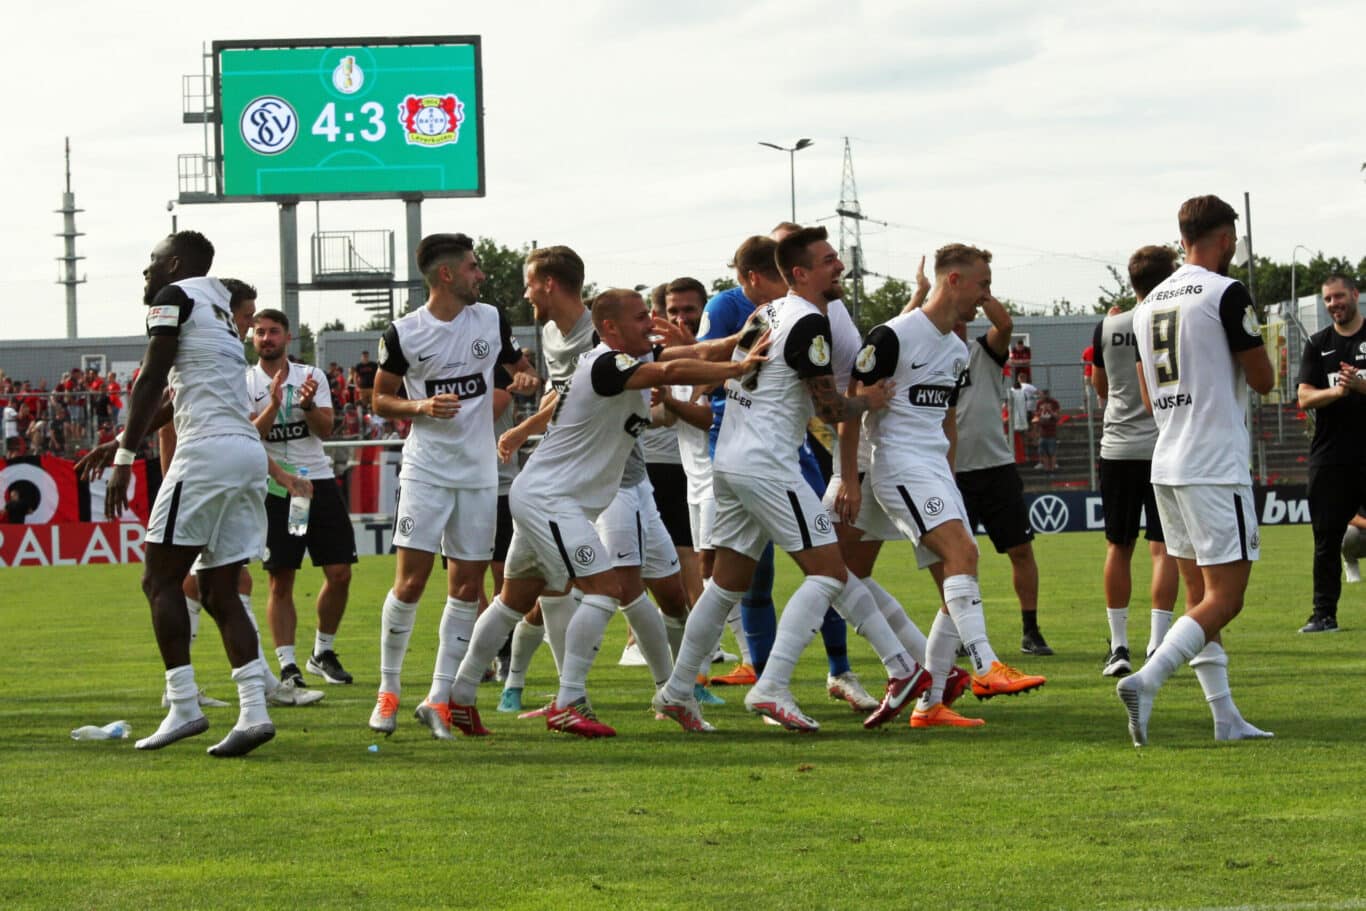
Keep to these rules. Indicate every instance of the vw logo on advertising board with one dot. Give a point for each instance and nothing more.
(1048, 514)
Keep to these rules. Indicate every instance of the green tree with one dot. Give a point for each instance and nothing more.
(377, 323)
(1121, 295)
(307, 344)
(890, 298)
(335, 325)
(504, 280)
(722, 284)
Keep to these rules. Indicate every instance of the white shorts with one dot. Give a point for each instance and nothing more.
(553, 540)
(752, 511)
(1209, 523)
(456, 522)
(872, 520)
(634, 533)
(914, 504)
(213, 497)
(702, 520)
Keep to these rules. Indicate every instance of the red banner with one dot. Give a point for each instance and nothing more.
(43, 490)
(71, 544)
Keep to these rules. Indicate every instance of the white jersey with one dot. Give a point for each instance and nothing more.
(290, 442)
(562, 352)
(1130, 431)
(694, 451)
(435, 356)
(507, 471)
(927, 366)
(659, 446)
(767, 409)
(982, 440)
(1188, 330)
(595, 426)
(844, 345)
(207, 376)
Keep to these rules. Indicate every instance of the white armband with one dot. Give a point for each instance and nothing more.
(125, 456)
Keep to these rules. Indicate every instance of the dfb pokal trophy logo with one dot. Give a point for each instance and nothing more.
(431, 120)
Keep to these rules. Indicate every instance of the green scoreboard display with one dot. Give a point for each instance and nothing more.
(349, 118)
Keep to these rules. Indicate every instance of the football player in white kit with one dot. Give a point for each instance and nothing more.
(1126, 469)
(848, 502)
(1199, 348)
(573, 476)
(760, 495)
(443, 355)
(912, 470)
(210, 503)
(293, 404)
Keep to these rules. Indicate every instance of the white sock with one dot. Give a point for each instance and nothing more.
(964, 601)
(700, 635)
(1182, 643)
(1118, 618)
(396, 628)
(183, 694)
(457, 622)
(737, 629)
(193, 607)
(557, 611)
(800, 622)
(1161, 622)
(673, 628)
(940, 650)
(653, 636)
(285, 655)
(525, 640)
(856, 605)
(581, 643)
(490, 632)
(251, 694)
(1211, 669)
(912, 639)
(272, 682)
(323, 642)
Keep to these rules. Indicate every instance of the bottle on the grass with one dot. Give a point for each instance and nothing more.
(298, 510)
(114, 730)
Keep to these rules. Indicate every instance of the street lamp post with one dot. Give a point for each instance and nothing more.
(1294, 302)
(791, 165)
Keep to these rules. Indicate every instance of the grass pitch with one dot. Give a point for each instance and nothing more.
(1048, 806)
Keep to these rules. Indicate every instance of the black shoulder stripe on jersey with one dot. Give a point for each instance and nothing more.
(510, 353)
(807, 343)
(1098, 346)
(392, 359)
(1233, 307)
(172, 296)
(1000, 359)
(879, 362)
(608, 377)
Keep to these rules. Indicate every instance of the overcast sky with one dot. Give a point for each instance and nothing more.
(1061, 136)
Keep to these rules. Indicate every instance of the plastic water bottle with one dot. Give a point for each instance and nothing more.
(114, 730)
(298, 510)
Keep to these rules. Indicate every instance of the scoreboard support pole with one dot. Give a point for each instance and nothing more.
(412, 210)
(289, 269)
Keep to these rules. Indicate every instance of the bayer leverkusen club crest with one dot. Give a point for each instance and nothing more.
(431, 120)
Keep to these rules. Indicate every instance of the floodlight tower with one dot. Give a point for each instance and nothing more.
(851, 230)
(69, 233)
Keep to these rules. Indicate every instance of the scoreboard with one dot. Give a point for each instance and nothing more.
(349, 118)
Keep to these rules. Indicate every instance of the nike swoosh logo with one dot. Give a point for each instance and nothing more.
(261, 396)
(915, 366)
(395, 632)
(623, 556)
(428, 357)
